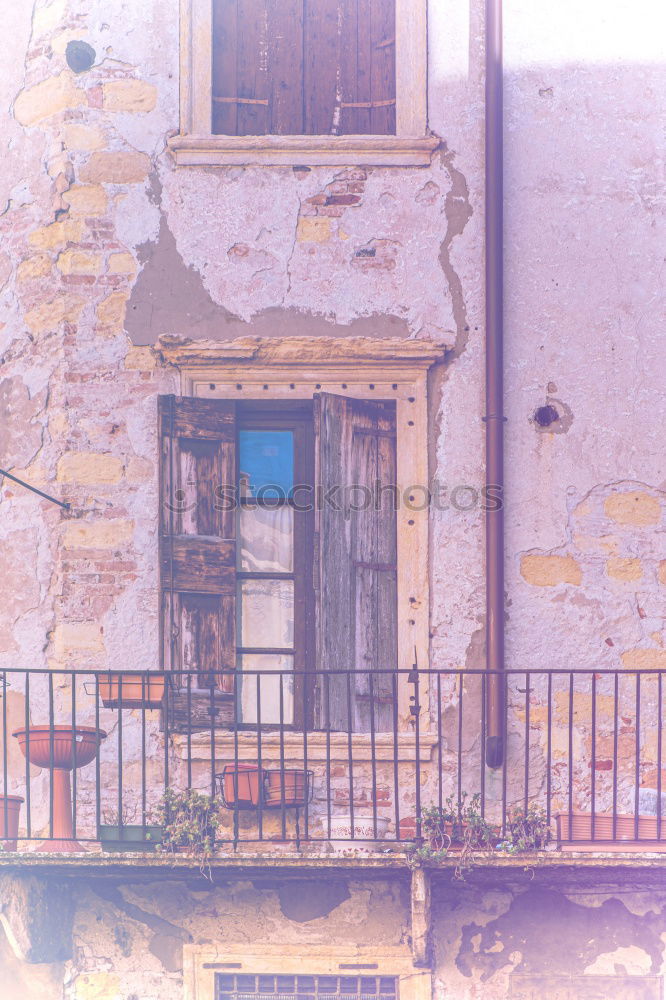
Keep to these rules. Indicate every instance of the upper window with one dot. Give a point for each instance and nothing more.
(303, 82)
(301, 67)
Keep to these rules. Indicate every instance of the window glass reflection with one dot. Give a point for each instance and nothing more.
(266, 464)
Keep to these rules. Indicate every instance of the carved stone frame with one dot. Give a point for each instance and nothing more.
(296, 368)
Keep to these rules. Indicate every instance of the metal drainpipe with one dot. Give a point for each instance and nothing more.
(494, 418)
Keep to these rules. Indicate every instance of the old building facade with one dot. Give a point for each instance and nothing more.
(242, 285)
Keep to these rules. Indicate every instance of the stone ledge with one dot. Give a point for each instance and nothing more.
(313, 861)
(303, 150)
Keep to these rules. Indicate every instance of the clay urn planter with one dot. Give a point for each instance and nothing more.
(126, 690)
(10, 807)
(289, 787)
(241, 785)
(62, 748)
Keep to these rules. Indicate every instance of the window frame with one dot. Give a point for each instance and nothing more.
(202, 962)
(274, 415)
(296, 368)
(197, 145)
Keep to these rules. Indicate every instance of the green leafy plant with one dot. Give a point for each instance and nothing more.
(190, 820)
(527, 830)
(459, 825)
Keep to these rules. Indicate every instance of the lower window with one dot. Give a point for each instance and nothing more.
(278, 557)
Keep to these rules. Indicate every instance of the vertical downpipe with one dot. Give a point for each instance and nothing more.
(494, 418)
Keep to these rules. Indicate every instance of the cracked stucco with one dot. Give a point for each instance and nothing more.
(226, 253)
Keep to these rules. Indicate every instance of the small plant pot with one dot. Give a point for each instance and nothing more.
(290, 787)
(241, 785)
(118, 690)
(362, 829)
(10, 807)
(129, 837)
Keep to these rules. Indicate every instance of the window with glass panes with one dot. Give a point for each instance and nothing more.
(274, 597)
(278, 562)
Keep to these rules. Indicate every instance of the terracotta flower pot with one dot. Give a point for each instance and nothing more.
(10, 807)
(289, 787)
(577, 826)
(70, 749)
(241, 785)
(118, 690)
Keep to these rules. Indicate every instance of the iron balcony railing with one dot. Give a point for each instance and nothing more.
(337, 756)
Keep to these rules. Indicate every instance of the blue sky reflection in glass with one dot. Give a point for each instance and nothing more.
(266, 464)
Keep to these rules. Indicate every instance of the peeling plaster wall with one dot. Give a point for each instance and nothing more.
(489, 934)
(106, 247)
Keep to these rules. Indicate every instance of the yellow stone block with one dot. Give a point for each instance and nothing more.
(548, 571)
(314, 229)
(635, 507)
(139, 470)
(49, 315)
(121, 263)
(116, 168)
(644, 659)
(661, 572)
(79, 262)
(111, 312)
(52, 95)
(129, 95)
(75, 637)
(140, 359)
(58, 423)
(84, 467)
(86, 199)
(56, 235)
(98, 986)
(624, 569)
(83, 138)
(36, 266)
(97, 534)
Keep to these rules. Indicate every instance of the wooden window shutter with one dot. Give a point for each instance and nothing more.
(257, 67)
(197, 556)
(357, 562)
(289, 67)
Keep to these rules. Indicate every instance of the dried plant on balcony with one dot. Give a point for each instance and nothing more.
(190, 820)
(460, 825)
(527, 830)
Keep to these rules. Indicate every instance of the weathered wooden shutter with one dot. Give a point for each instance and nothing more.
(286, 67)
(357, 562)
(197, 552)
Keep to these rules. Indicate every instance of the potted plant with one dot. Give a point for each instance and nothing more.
(10, 807)
(457, 826)
(526, 830)
(189, 822)
(120, 689)
(118, 833)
